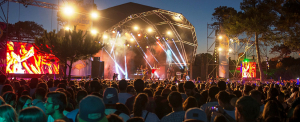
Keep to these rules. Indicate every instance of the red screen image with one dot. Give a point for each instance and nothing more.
(249, 69)
(22, 59)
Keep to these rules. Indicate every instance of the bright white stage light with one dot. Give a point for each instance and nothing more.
(220, 49)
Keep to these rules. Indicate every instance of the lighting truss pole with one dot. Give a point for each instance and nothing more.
(214, 60)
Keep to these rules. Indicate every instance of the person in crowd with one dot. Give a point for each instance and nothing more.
(294, 95)
(136, 119)
(114, 118)
(177, 114)
(246, 110)
(2, 81)
(220, 118)
(2, 101)
(139, 87)
(151, 101)
(181, 91)
(8, 113)
(55, 105)
(212, 101)
(224, 103)
(130, 89)
(91, 109)
(6, 88)
(139, 109)
(10, 98)
(95, 86)
(195, 115)
(123, 95)
(271, 109)
(247, 90)
(80, 95)
(257, 95)
(190, 102)
(222, 85)
(296, 115)
(50, 85)
(32, 114)
(40, 94)
(24, 101)
(122, 108)
(110, 99)
(189, 88)
(33, 83)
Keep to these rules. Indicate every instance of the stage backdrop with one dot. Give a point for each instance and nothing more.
(81, 68)
(22, 59)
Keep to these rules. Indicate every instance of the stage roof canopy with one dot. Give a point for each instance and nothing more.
(165, 23)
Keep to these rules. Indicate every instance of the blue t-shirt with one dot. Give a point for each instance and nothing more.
(72, 115)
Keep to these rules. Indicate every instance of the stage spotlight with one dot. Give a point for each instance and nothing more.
(113, 31)
(135, 27)
(67, 28)
(105, 36)
(139, 34)
(94, 14)
(169, 33)
(220, 49)
(157, 37)
(220, 37)
(131, 39)
(68, 10)
(128, 45)
(150, 30)
(147, 46)
(94, 31)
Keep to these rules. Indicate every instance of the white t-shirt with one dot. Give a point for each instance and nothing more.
(123, 97)
(72, 115)
(124, 116)
(209, 104)
(50, 118)
(151, 117)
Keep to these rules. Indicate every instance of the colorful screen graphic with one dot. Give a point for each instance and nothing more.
(249, 69)
(23, 59)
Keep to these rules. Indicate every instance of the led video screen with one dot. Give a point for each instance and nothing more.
(22, 59)
(249, 69)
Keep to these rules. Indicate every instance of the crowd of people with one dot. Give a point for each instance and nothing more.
(37, 100)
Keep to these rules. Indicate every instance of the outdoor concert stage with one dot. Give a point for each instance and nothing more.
(142, 38)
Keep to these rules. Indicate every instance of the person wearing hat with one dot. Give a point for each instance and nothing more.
(110, 99)
(91, 109)
(195, 115)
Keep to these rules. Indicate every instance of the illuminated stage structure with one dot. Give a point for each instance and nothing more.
(230, 53)
(145, 36)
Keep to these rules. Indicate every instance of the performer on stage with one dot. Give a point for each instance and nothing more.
(153, 71)
(115, 76)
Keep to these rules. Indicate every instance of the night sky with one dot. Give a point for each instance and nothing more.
(198, 12)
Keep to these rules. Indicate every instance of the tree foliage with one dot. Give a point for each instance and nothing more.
(258, 19)
(73, 46)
